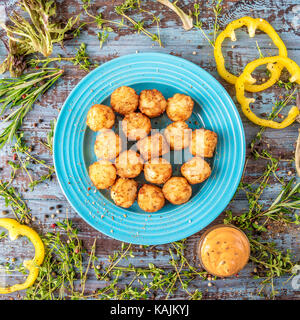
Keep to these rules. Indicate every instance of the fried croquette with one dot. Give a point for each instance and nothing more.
(124, 100)
(100, 117)
(203, 143)
(150, 198)
(108, 145)
(124, 192)
(157, 170)
(180, 107)
(196, 170)
(136, 126)
(103, 174)
(178, 135)
(177, 190)
(129, 164)
(153, 146)
(152, 103)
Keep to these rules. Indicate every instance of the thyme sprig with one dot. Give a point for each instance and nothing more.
(276, 109)
(22, 149)
(122, 10)
(50, 135)
(271, 262)
(81, 59)
(258, 219)
(62, 264)
(130, 5)
(11, 196)
(68, 266)
(149, 281)
(13, 200)
(217, 10)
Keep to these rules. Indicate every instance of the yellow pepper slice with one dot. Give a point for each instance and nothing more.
(252, 24)
(15, 229)
(246, 78)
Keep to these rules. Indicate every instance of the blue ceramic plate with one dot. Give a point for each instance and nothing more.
(214, 110)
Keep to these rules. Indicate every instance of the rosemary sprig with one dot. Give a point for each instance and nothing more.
(22, 93)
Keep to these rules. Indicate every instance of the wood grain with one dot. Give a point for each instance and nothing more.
(283, 14)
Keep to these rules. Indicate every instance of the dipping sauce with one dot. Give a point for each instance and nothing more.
(224, 250)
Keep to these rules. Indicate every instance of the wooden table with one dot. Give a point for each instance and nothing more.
(284, 15)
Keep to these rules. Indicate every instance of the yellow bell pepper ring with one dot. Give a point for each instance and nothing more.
(246, 77)
(252, 24)
(15, 229)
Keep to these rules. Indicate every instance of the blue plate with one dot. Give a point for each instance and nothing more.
(214, 110)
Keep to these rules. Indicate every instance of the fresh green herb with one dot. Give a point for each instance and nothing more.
(187, 20)
(123, 10)
(66, 259)
(217, 9)
(49, 143)
(81, 59)
(103, 35)
(276, 109)
(21, 148)
(3, 235)
(198, 23)
(35, 35)
(130, 5)
(63, 262)
(13, 200)
(22, 93)
(258, 219)
(10, 195)
(152, 280)
(100, 22)
(259, 50)
(271, 262)
(287, 85)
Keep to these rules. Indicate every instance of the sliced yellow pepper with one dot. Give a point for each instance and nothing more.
(246, 78)
(15, 229)
(252, 24)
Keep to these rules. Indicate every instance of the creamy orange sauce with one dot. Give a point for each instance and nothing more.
(224, 251)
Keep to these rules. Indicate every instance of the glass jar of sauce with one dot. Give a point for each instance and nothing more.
(223, 250)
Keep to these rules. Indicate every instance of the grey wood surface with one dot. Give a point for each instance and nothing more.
(284, 15)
